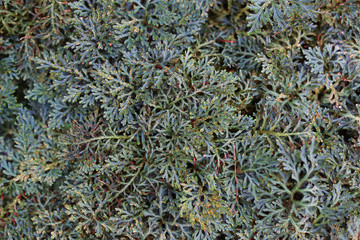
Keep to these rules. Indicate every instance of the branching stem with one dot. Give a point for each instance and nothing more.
(131, 180)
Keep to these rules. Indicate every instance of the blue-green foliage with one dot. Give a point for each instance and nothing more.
(157, 119)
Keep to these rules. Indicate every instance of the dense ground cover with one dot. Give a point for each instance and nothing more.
(179, 119)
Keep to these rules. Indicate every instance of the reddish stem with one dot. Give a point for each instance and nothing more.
(228, 41)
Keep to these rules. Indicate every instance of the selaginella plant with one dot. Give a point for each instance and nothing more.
(178, 119)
